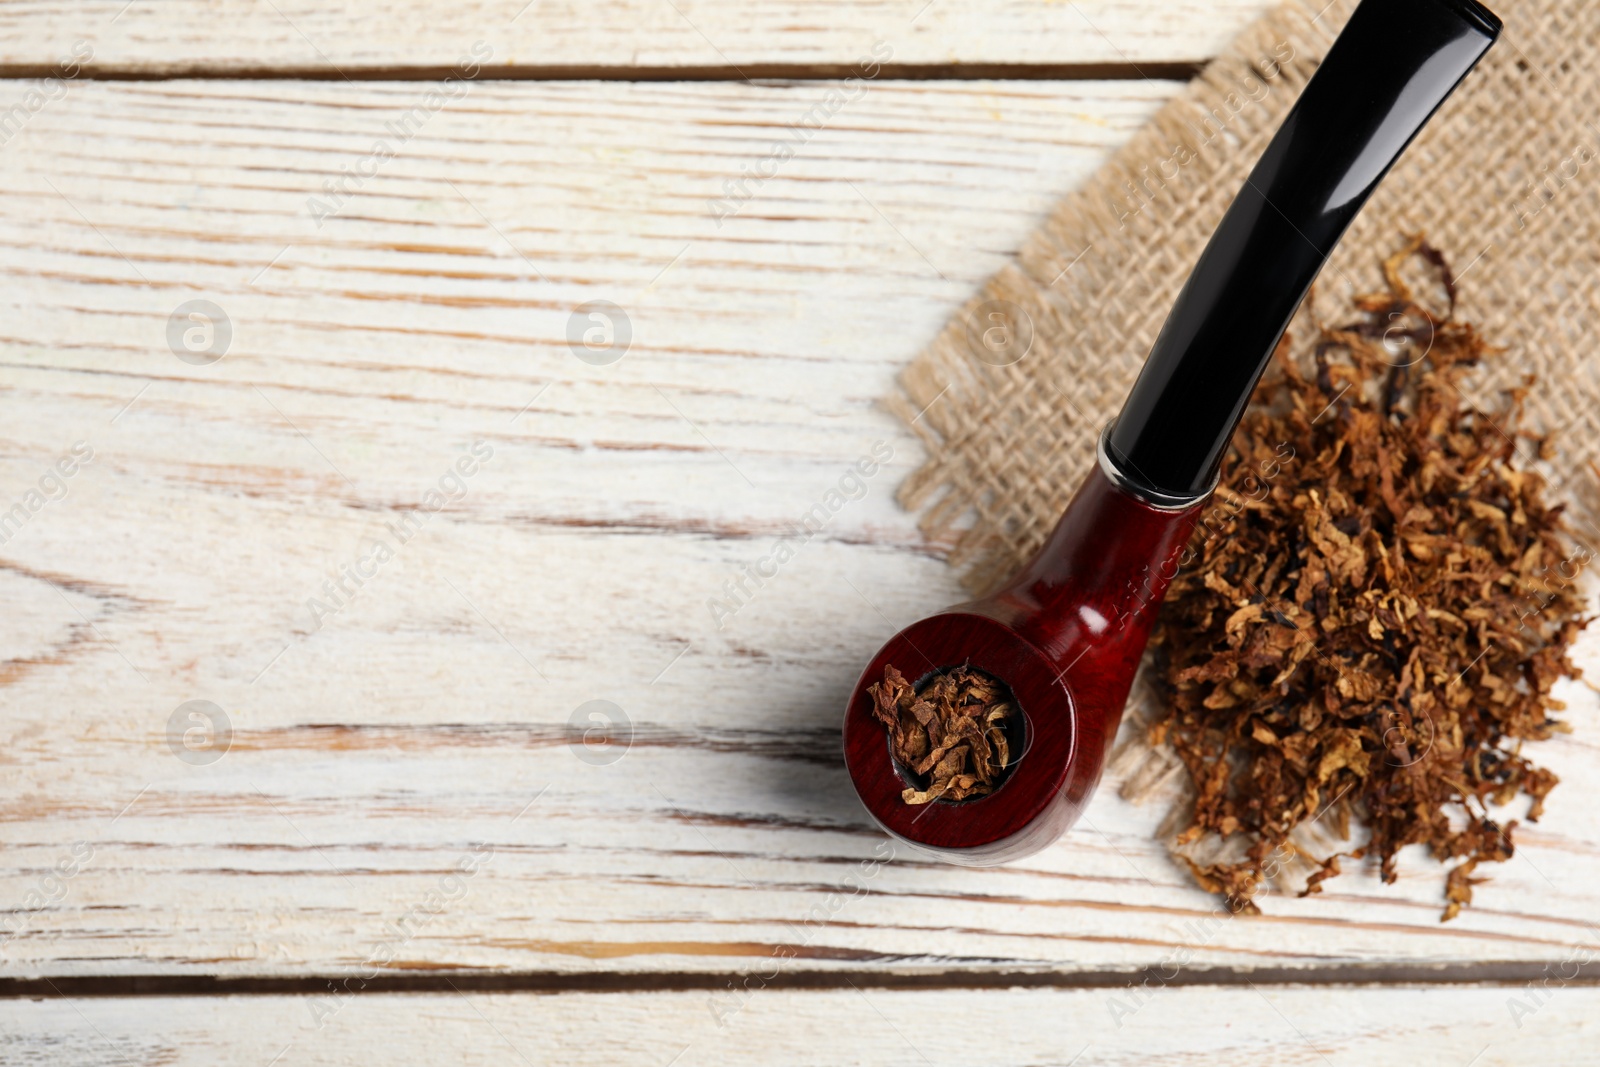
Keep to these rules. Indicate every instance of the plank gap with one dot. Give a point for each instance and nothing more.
(1501, 973)
(751, 72)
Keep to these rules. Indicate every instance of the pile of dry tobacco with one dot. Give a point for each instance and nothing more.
(1374, 609)
(955, 731)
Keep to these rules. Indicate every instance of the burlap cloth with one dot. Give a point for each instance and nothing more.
(1505, 181)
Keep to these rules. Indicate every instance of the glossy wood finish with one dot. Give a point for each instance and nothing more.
(1066, 635)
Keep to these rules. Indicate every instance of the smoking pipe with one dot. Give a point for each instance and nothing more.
(1067, 633)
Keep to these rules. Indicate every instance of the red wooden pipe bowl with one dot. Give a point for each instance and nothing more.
(1066, 635)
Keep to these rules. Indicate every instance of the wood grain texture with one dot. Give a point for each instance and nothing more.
(1483, 1026)
(234, 36)
(430, 724)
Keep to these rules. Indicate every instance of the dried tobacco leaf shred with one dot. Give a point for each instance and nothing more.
(956, 731)
(1373, 611)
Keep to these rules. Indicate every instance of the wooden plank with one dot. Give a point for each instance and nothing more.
(1484, 1026)
(314, 38)
(435, 719)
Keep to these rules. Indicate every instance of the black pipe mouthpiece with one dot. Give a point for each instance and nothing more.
(1391, 68)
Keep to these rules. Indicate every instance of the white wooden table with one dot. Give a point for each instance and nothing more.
(382, 834)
